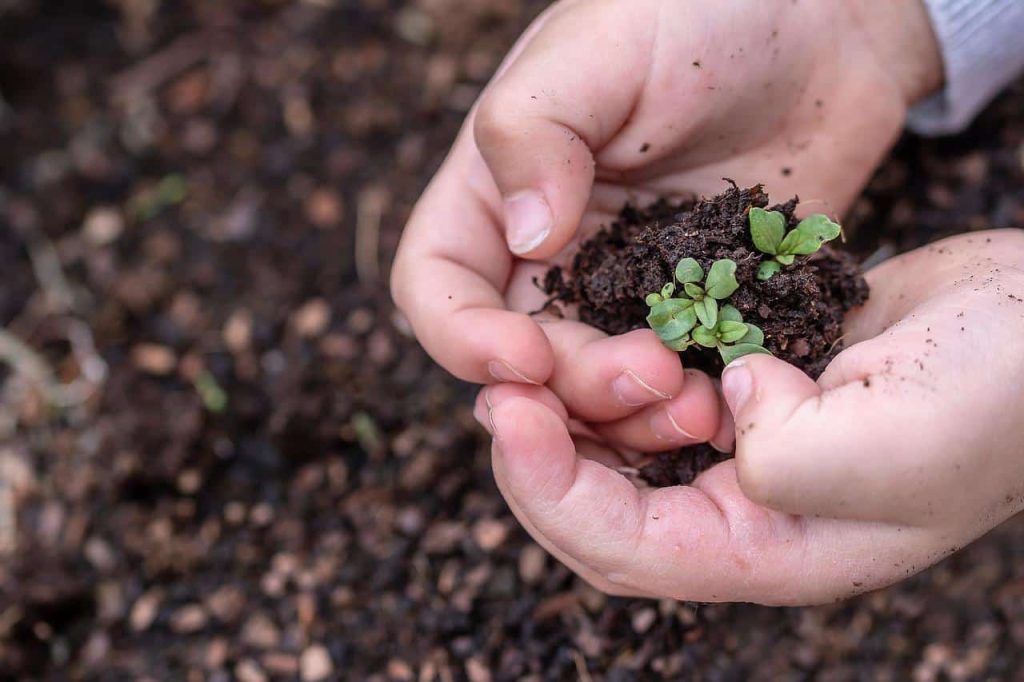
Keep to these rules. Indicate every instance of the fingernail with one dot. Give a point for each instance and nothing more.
(665, 427)
(502, 371)
(528, 221)
(479, 411)
(631, 390)
(737, 384)
(494, 429)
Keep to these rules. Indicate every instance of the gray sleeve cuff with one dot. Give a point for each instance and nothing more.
(982, 45)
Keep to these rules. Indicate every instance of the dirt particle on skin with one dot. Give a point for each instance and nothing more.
(697, 64)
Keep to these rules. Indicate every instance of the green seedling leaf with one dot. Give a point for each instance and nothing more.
(668, 290)
(672, 319)
(767, 229)
(689, 271)
(754, 335)
(721, 282)
(693, 290)
(653, 300)
(729, 313)
(705, 337)
(820, 226)
(786, 259)
(680, 344)
(731, 353)
(707, 312)
(731, 332)
(767, 270)
(809, 235)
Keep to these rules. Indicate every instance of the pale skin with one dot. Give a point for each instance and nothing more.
(904, 450)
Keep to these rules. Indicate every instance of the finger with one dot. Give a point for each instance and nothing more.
(693, 416)
(705, 543)
(601, 378)
(852, 451)
(450, 286)
(539, 122)
(490, 396)
(724, 439)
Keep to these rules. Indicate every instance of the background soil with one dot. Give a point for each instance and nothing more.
(219, 182)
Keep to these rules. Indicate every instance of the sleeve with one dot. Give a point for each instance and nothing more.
(982, 43)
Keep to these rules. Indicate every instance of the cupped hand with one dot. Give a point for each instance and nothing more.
(608, 101)
(907, 448)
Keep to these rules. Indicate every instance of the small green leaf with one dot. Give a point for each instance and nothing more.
(767, 229)
(694, 290)
(668, 290)
(680, 344)
(754, 335)
(707, 312)
(729, 313)
(820, 226)
(731, 353)
(653, 299)
(731, 332)
(711, 306)
(785, 259)
(689, 270)
(705, 337)
(809, 235)
(672, 319)
(680, 324)
(721, 282)
(767, 270)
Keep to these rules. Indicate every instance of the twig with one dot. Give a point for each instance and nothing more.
(46, 265)
(581, 666)
(369, 210)
(154, 71)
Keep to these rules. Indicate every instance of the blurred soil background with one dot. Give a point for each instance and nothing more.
(223, 456)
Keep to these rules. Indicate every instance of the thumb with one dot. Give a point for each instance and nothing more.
(538, 125)
(843, 452)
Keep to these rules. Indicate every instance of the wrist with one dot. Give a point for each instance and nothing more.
(900, 34)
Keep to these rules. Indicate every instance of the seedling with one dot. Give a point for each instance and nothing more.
(768, 230)
(731, 336)
(675, 320)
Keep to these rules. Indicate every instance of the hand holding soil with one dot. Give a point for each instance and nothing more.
(804, 98)
(904, 450)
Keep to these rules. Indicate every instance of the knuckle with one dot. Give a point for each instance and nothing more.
(756, 475)
(495, 121)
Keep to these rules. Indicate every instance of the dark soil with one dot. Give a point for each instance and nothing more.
(680, 467)
(800, 309)
(341, 506)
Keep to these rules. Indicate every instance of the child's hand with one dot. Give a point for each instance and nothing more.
(907, 448)
(605, 101)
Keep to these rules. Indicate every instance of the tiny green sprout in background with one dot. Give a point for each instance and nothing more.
(675, 320)
(210, 392)
(768, 230)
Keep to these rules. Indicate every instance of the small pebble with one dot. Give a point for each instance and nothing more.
(315, 664)
(154, 359)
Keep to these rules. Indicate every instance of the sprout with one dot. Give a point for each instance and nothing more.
(731, 336)
(675, 320)
(768, 230)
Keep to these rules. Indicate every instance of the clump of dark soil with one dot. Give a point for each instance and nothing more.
(800, 309)
(681, 467)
